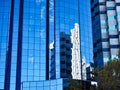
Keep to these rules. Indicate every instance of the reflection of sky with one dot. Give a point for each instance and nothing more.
(51, 11)
(42, 33)
(43, 12)
(43, 8)
(31, 59)
(51, 20)
(39, 1)
(34, 38)
(86, 31)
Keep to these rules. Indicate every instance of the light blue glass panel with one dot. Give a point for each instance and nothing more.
(40, 88)
(46, 83)
(39, 84)
(59, 87)
(103, 21)
(53, 87)
(104, 31)
(32, 88)
(59, 81)
(53, 82)
(118, 13)
(46, 88)
(112, 27)
(26, 84)
(119, 24)
(24, 88)
(111, 17)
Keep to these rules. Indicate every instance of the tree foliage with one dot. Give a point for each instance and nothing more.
(108, 78)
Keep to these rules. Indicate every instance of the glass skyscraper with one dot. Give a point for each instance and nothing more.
(106, 30)
(27, 28)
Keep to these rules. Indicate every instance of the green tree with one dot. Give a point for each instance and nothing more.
(108, 78)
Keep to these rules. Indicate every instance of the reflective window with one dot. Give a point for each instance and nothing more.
(111, 17)
(34, 40)
(103, 21)
(112, 27)
(104, 31)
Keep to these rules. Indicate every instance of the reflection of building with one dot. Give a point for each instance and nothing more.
(78, 63)
(106, 28)
(89, 71)
(52, 65)
(84, 68)
(65, 57)
(76, 59)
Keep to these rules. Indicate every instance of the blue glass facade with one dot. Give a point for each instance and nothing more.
(28, 27)
(34, 41)
(23, 42)
(66, 15)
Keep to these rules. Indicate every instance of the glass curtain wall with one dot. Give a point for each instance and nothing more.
(22, 42)
(34, 41)
(66, 15)
(86, 31)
